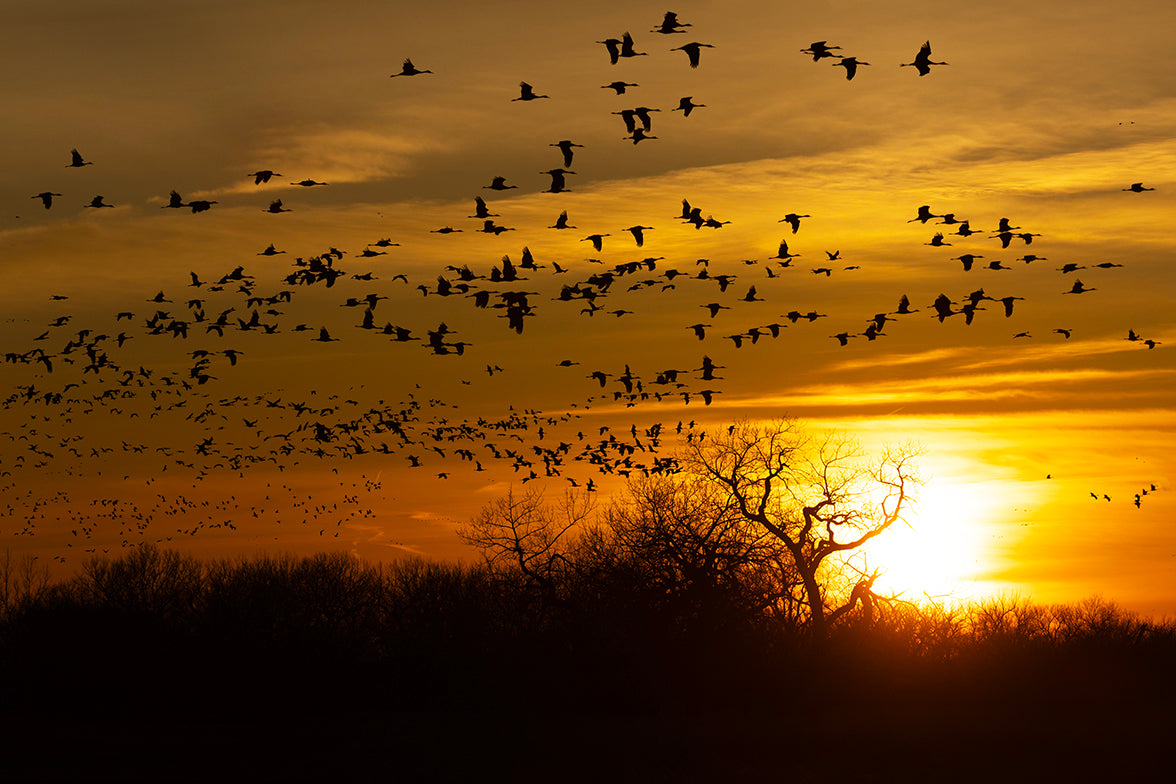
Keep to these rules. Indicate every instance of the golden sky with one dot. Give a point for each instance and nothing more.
(1044, 115)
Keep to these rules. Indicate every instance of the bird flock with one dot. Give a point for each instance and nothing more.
(178, 416)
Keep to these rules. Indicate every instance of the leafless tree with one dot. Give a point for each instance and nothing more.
(820, 497)
(21, 580)
(688, 545)
(525, 535)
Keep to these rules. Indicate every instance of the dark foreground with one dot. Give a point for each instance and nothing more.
(324, 671)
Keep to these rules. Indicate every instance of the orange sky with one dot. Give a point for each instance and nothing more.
(1028, 122)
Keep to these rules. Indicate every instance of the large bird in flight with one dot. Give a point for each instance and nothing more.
(923, 62)
(408, 69)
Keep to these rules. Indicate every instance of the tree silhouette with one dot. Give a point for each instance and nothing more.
(682, 543)
(521, 535)
(819, 497)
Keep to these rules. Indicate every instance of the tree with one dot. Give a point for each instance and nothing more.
(818, 496)
(685, 546)
(526, 536)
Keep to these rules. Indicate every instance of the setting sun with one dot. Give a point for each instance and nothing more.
(943, 552)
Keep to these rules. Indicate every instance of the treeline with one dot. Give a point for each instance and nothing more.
(601, 635)
(157, 666)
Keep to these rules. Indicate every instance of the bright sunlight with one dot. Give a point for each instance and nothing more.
(944, 550)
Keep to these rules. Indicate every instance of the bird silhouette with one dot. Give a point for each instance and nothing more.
(923, 62)
(627, 49)
(924, 214)
(619, 86)
(481, 211)
(562, 222)
(670, 24)
(276, 207)
(98, 202)
(408, 69)
(793, 220)
(904, 306)
(499, 184)
(527, 93)
(566, 147)
(638, 135)
(1008, 305)
(850, 64)
(638, 233)
(782, 252)
(597, 240)
(820, 49)
(263, 176)
(943, 309)
(1137, 187)
(686, 106)
(693, 51)
(557, 180)
(77, 161)
(46, 198)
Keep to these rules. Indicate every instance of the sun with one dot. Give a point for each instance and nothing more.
(941, 553)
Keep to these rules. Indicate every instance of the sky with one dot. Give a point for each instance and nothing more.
(1045, 114)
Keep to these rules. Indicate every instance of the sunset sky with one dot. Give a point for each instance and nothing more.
(1045, 114)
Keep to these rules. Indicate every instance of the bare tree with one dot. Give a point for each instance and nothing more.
(525, 535)
(21, 581)
(818, 496)
(686, 544)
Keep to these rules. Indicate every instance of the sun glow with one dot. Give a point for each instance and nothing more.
(942, 554)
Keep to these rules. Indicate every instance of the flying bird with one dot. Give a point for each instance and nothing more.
(924, 214)
(923, 62)
(904, 306)
(693, 50)
(850, 64)
(613, 45)
(670, 24)
(527, 93)
(943, 309)
(618, 86)
(1137, 187)
(262, 176)
(820, 49)
(565, 147)
(627, 49)
(76, 160)
(686, 106)
(408, 69)
(46, 198)
(557, 180)
(793, 220)
(597, 240)
(499, 184)
(638, 233)
(481, 211)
